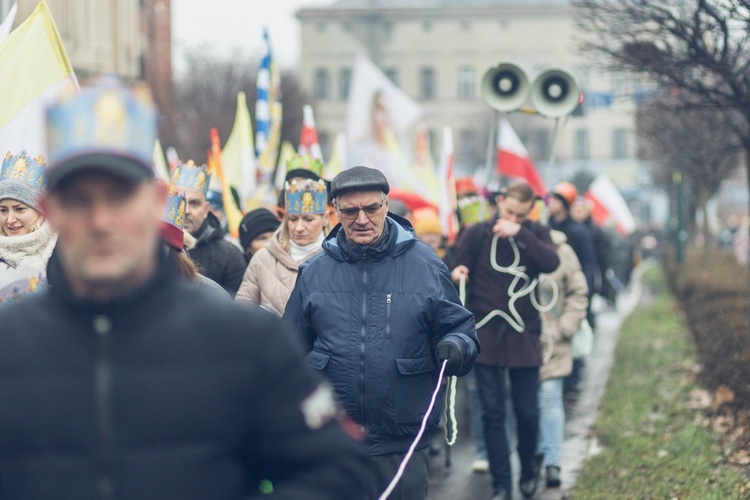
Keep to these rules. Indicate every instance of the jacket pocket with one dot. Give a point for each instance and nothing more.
(414, 386)
(318, 360)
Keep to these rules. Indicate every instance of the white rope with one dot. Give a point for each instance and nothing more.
(409, 453)
(451, 412)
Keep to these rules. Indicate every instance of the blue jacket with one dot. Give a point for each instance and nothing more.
(370, 318)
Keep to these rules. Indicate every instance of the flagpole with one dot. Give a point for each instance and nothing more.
(491, 145)
(551, 162)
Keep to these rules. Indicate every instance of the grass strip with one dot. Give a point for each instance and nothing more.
(653, 444)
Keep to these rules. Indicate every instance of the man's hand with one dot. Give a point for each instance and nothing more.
(459, 272)
(447, 350)
(506, 228)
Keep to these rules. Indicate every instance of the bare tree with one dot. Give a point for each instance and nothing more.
(697, 142)
(206, 97)
(701, 48)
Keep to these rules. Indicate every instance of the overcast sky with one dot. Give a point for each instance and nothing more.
(236, 26)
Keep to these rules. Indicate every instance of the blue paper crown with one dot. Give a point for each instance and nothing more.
(306, 197)
(176, 204)
(105, 118)
(188, 175)
(22, 168)
(473, 209)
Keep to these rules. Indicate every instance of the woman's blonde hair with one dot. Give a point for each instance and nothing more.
(282, 233)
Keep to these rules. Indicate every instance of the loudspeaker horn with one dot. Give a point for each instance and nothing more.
(554, 93)
(505, 87)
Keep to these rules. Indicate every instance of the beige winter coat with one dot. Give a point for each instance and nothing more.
(561, 322)
(269, 278)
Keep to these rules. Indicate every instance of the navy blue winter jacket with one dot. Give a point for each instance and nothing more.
(371, 318)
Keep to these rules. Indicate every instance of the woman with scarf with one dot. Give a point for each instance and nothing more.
(26, 238)
(272, 272)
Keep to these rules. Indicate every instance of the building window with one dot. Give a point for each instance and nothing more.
(392, 74)
(619, 143)
(465, 25)
(321, 26)
(426, 25)
(320, 84)
(387, 27)
(581, 147)
(467, 146)
(466, 83)
(345, 79)
(427, 83)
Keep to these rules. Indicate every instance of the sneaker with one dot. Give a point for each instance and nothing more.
(502, 495)
(480, 465)
(553, 476)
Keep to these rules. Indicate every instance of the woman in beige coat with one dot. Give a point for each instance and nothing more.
(567, 288)
(272, 272)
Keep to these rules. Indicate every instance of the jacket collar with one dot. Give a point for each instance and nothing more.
(210, 230)
(400, 238)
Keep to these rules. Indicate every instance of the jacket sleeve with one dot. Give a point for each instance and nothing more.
(249, 290)
(536, 245)
(574, 297)
(453, 322)
(295, 317)
(298, 438)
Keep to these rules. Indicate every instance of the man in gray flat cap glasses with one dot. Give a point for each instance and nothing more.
(377, 313)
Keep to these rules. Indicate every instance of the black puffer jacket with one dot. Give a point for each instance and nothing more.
(169, 393)
(218, 259)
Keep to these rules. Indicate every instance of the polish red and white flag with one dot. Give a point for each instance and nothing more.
(513, 159)
(608, 205)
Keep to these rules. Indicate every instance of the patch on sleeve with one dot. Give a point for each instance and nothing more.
(318, 408)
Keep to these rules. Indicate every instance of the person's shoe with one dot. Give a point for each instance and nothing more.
(529, 484)
(553, 476)
(502, 495)
(480, 465)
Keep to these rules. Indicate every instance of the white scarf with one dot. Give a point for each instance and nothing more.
(33, 249)
(300, 253)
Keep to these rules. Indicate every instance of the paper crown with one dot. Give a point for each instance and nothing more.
(24, 169)
(188, 175)
(173, 219)
(299, 165)
(473, 209)
(106, 118)
(306, 197)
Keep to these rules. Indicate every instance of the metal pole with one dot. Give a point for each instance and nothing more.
(491, 146)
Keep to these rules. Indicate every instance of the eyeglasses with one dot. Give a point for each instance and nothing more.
(353, 212)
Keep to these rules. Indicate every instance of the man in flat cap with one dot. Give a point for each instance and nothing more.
(125, 380)
(377, 313)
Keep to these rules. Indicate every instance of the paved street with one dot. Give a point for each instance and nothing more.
(457, 482)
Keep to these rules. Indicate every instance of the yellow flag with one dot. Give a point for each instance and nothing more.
(233, 213)
(35, 70)
(238, 155)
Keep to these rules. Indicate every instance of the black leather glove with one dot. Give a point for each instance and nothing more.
(447, 350)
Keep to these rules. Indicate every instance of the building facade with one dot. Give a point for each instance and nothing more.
(437, 51)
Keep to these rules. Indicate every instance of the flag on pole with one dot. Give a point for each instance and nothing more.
(338, 157)
(513, 159)
(270, 153)
(308, 140)
(448, 202)
(7, 24)
(161, 170)
(424, 166)
(264, 103)
(608, 205)
(238, 155)
(286, 154)
(35, 70)
(216, 167)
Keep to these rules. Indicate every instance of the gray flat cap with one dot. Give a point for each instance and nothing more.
(359, 179)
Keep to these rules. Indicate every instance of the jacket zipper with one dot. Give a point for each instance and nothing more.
(362, 339)
(103, 398)
(388, 316)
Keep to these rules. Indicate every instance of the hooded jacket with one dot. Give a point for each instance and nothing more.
(370, 318)
(567, 287)
(217, 258)
(166, 393)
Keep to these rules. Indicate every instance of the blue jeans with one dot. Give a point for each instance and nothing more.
(551, 420)
(524, 386)
(475, 415)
